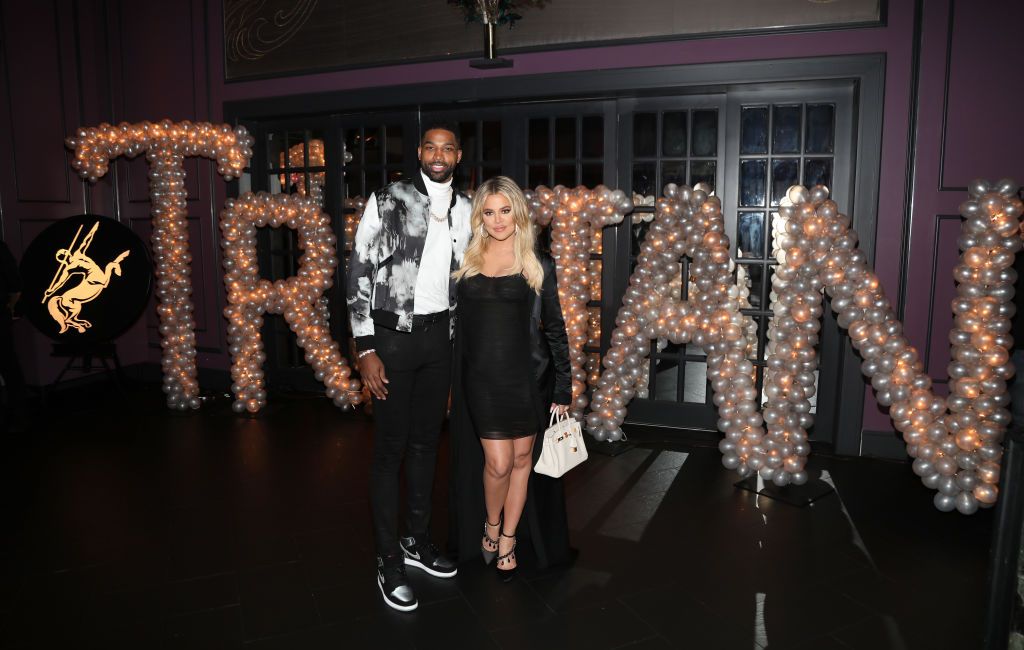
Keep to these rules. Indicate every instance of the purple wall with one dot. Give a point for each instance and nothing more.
(119, 60)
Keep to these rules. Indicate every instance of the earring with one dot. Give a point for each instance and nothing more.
(483, 233)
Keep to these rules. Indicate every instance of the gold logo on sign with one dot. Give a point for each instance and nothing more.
(65, 307)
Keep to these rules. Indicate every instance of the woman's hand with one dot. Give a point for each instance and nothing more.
(559, 409)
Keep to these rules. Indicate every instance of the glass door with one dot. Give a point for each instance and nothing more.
(669, 140)
(779, 137)
(750, 144)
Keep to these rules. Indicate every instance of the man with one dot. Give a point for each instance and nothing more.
(401, 301)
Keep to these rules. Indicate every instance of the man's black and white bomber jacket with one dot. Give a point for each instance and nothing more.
(386, 257)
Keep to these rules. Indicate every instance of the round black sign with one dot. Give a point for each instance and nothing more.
(86, 279)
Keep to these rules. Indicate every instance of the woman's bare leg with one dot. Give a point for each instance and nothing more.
(498, 460)
(515, 499)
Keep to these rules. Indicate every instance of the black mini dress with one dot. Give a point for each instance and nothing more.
(497, 373)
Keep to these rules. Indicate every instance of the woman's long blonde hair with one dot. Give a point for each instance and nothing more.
(526, 239)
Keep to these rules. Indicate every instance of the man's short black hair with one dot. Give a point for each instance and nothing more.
(443, 125)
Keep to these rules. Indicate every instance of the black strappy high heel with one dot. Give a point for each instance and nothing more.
(489, 555)
(507, 575)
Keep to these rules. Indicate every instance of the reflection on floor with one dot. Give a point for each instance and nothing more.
(152, 529)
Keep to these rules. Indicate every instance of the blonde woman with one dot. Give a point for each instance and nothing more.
(512, 369)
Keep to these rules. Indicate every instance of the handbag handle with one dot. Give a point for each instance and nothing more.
(557, 418)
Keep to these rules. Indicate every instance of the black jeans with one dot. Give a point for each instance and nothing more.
(418, 368)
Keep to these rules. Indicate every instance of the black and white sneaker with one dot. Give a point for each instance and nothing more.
(394, 586)
(426, 556)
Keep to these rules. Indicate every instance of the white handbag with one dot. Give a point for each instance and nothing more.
(563, 446)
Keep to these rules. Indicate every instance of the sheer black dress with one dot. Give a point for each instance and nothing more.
(497, 379)
(511, 362)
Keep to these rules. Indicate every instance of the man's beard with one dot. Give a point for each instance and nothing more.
(437, 177)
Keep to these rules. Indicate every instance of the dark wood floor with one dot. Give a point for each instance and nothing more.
(131, 526)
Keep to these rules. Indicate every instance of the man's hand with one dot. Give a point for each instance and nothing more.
(371, 369)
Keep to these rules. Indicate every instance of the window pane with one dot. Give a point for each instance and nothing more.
(539, 132)
(537, 175)
(644, 181)
(769, 243)
(464, 176)
(703, 171)
(275, 150)
(673, 171)
(752, 183)
(673, 134)
(492, 141)
(705, 133)
(373, 181)
(785, 174)
(818, 171)
(470, 142)
(750, 228)
(639, 234)
(352, 141)
(666, 380)
(565, 137)
(353, 183)
(296, 150)
(565, 175)
(373, 147)
(490, 171)
(786, 129)
(760, 333)
(593, 175)
(593, 136)
(645, 134)
(820, 128)
(695, 382)
(755, 273)
(675, 283)
(394, 146)
(754, 130)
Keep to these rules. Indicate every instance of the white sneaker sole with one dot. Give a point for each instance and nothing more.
(419, 565)
(387, 601)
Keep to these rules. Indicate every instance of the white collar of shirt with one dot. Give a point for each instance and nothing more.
(435, 189)
(440, 194)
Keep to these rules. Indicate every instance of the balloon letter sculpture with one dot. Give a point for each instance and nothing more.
(166, 145)
(574, 214)
(299, 297)
(955, 441)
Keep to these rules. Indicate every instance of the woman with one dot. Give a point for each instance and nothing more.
(512, 370)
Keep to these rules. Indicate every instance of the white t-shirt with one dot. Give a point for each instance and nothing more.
(436, 264)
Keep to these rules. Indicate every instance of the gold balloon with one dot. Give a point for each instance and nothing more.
(299, 298)
(576, 217)
(166, 145)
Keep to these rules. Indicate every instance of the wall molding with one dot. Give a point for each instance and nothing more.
(950, 24)
(18, 170)
(911, 175)
(937, 224)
